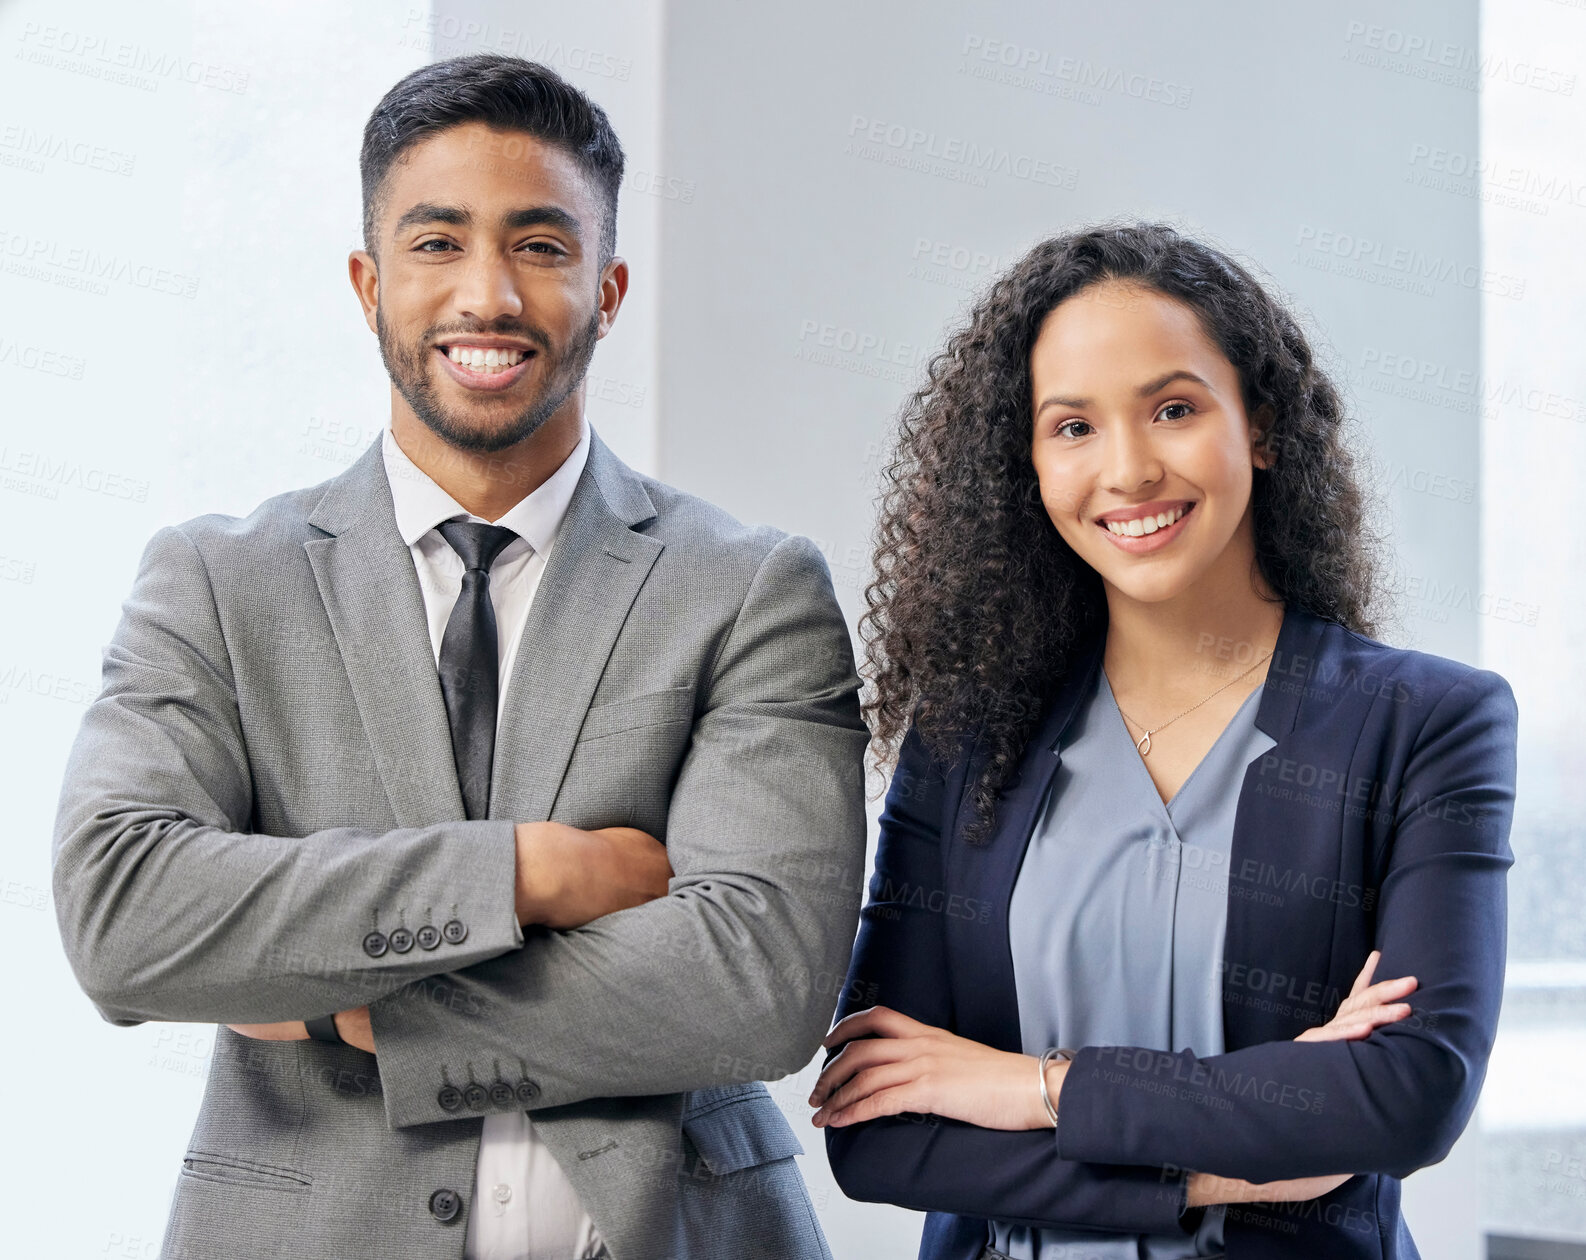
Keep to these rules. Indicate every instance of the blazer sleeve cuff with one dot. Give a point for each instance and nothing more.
(1108, 1109)
(1089, 1111)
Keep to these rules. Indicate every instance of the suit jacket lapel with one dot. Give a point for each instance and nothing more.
(376, 610)
(596, 567)
(371, 595)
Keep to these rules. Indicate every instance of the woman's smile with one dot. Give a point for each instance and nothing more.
(1147, 528)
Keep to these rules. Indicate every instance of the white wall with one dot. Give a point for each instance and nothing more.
(177, 336)
(825, 143)
(808, 268)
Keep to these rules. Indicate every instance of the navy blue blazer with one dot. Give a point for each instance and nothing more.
(1380, 819)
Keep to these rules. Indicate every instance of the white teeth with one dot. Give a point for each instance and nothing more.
(485, 361)
(1145, 524)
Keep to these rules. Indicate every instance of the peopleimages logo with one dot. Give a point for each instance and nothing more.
(1424, 56)
(38, 147)
(1547, 185)
(1399, 266)
(897, 144)
(117, 60)
(1076, 78)
(1427, 380)
(81, 266)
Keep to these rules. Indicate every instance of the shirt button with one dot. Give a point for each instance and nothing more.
(502, 1192)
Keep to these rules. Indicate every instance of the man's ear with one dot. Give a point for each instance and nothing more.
(365, 277)
(613, 288)
(1263, 440)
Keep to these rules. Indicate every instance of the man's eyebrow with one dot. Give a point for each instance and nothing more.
(547, 216)
(457, 216)
(429, 212)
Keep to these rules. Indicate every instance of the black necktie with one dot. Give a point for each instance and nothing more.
(468, 660)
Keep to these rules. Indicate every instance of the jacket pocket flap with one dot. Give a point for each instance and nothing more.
(740, 1133)
(209, 1166)
(675, 704)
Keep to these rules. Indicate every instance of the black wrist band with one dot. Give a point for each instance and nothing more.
(323, 1029)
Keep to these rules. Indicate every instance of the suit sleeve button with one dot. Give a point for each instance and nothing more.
(527, 1091)
(374, 944)
(445, 1204)
(428, 936)
(476, 1097)
(401, 940)
(501, 1094)
(450, 1098)
(454, 931)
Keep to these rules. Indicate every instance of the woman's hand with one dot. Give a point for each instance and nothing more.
(1367, 1007)
(893, 1064)
(353, 1026)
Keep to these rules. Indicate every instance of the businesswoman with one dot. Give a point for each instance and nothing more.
(1163, 809)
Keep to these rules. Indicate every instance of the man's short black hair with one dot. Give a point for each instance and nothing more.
(507, 93)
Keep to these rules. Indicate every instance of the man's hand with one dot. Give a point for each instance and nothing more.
(353, 1026)
(1205, 1189)
(567, 877)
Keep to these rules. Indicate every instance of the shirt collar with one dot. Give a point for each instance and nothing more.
(421, 504)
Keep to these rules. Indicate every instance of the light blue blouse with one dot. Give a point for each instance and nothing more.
(1116, 925)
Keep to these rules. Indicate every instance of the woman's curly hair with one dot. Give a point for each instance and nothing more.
(977, 603)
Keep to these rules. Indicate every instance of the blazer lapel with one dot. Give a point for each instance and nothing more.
(986, 999)
(985, 995)
(371, 595)
(376, 610)
(596, 567)
(1275, 843)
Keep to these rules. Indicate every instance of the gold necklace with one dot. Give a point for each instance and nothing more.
(1143, 744)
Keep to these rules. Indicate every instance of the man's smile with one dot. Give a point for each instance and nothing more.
(485, 364)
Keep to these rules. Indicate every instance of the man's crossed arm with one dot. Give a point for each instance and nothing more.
(170, 909)
(564, 878)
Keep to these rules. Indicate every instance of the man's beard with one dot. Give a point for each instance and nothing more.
(409, 369)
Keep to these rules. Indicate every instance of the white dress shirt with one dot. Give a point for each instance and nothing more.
(524, 1207)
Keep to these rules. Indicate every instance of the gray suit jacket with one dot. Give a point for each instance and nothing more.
(260, 819)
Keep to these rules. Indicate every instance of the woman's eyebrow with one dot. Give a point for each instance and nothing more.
(1161, 382)
(1145, 391)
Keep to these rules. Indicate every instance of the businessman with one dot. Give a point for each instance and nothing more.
(502, 805)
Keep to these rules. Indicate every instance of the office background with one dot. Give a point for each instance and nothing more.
(814, 195)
